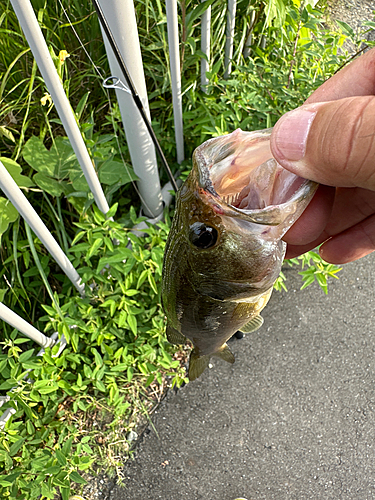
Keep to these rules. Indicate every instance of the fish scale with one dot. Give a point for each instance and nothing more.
(220, 261)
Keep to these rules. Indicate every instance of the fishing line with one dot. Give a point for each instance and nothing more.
(107, 94)
(133, 91)
(80, 41)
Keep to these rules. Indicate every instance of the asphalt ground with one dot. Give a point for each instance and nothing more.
(293, 418)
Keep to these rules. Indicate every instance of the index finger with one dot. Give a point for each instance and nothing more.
(356, 79)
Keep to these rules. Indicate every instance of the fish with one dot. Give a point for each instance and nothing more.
(224, 250)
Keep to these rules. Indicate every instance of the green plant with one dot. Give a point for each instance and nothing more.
(317, 270)
(116, 345)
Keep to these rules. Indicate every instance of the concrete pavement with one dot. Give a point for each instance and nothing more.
(293, 418)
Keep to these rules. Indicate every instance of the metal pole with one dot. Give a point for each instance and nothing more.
(20, 202)
(120, 16)
(24, 327)
(205, 46)
(231, 21)
(34, 36)
(174, 56)
(249, 39)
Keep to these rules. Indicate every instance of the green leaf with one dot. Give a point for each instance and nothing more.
(120, 367)
(47, 491)
(94, 247)
(37, 156)
(67, 446)
(132, 322)
(112, 211)
(118, 256)
(52, 470)
(99, 384)
(65, 493)
(8, 214)
(8, 384)
(60, 457)
(32, 365)
(346, 28)
(49, 310)
(7, 133)
(52, 166)
(81, 105)
(49, 185)
(4, 482)
(142, 277)
(15, 171)
(12, 477)
(98, 358)
(98, 215)
(122, 319)
(198, 11)
(151, 280)
(81, 247)
(56, 162)
(48, 390)
(77, 478)
(25, 356)
(113, 171)
(78, 181)
(4, 457)
(16, 446)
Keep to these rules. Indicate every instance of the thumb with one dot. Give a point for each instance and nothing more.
(332, 142)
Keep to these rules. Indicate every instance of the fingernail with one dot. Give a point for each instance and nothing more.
(291, 133)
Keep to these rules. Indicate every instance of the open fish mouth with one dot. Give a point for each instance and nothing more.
(238, 170)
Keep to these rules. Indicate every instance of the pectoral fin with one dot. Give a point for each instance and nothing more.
(175, 337)
(252, 325)
(197, 364)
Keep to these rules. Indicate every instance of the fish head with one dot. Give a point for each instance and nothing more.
(232, 212)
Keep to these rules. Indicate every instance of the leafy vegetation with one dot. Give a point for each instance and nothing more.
(73, 408)
(116, 350)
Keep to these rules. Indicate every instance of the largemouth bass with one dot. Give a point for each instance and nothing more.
(224, 251)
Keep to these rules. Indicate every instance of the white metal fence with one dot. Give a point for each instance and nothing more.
(120, 16)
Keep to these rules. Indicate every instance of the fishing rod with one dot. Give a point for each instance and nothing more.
(133, 91)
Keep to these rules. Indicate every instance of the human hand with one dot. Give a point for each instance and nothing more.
(331, 140)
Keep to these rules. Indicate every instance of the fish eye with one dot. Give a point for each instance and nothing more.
(203, 236)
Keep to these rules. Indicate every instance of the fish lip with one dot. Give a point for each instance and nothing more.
(270, 215)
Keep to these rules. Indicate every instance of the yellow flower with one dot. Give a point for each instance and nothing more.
(46, 98)
(63, 54)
